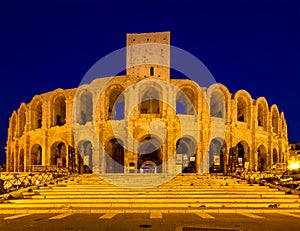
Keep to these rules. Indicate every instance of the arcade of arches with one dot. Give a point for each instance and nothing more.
(146, 122)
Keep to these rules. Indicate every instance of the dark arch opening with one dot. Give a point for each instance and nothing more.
(85, 162)
(217, 106)
(186, 155)
(216, 156)
(60, 111)
(36, 155)
(21, 160)
(58, 154)
(115, 156)
(85, 109)
(149, 152)
(242, 110)
(116, 104)
(151, 71)
(262, 158)
(150, 103)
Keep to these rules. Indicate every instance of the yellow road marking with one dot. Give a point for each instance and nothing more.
(16, 216)
(251, 215)
(156, 215)
(205, 215)
(291, 214)
(60, 216)
(108, 216)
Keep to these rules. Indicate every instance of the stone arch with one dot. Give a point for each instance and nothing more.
(85, 149)
(283, 125)
(115, 102)
(114, 156)
(215, 92)
(36, 155)
(59, 106)
(21, 162)
(217, 155)
(151, 99)
(217, 105)
(58, 154)
(13, 123)
(275, 156)
(84, 107)
(150, 149)
(275, 119)
(186, 100)
(262, 113)
(243, 106)
(186, 148)
(243, 154)
(22, 119)
(262, 158)
(12, 161)
(36, 109)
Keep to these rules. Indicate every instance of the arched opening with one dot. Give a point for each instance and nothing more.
(151, 71)
(114, 156)
(58, 154)
(11, 162)
(275, 121)
(21, 161)
(217, 152)
(85, 149)
(116, 104)
(217, 105)
(186, 155)
(36, 155)
(150, 102)
(262, 116)
(185, 101)
(36, 115)
(13, 125)
(149, 151)
(262, 158)
(85, 111)
(242, 153)
(275, 156)
(22, 121)
(241, 110)
(59, 111)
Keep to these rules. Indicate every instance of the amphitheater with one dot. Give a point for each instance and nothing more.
(146, 121)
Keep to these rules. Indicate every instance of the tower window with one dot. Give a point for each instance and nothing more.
(151, 71)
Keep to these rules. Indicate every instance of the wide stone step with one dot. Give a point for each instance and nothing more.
(142, 205)
(155, 200)
(162, 189)
(185, 195)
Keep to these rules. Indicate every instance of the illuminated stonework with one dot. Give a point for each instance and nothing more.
(41, 133)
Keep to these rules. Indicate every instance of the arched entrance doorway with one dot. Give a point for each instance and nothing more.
(85, 158)
(262, 158)
(243, 154)
(115, 156)
(58, 154)
(217, 152)
(149, 152)
(275, 156)
(36, 155)
(186, 155)
(21, 160)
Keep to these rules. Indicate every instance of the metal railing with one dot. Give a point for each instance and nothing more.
(256, 175)
(13, 181)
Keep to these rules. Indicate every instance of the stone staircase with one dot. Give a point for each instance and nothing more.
(182, 194)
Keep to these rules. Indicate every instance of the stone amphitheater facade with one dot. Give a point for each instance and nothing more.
(145, 121)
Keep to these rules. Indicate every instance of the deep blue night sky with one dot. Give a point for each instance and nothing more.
(252, 45)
